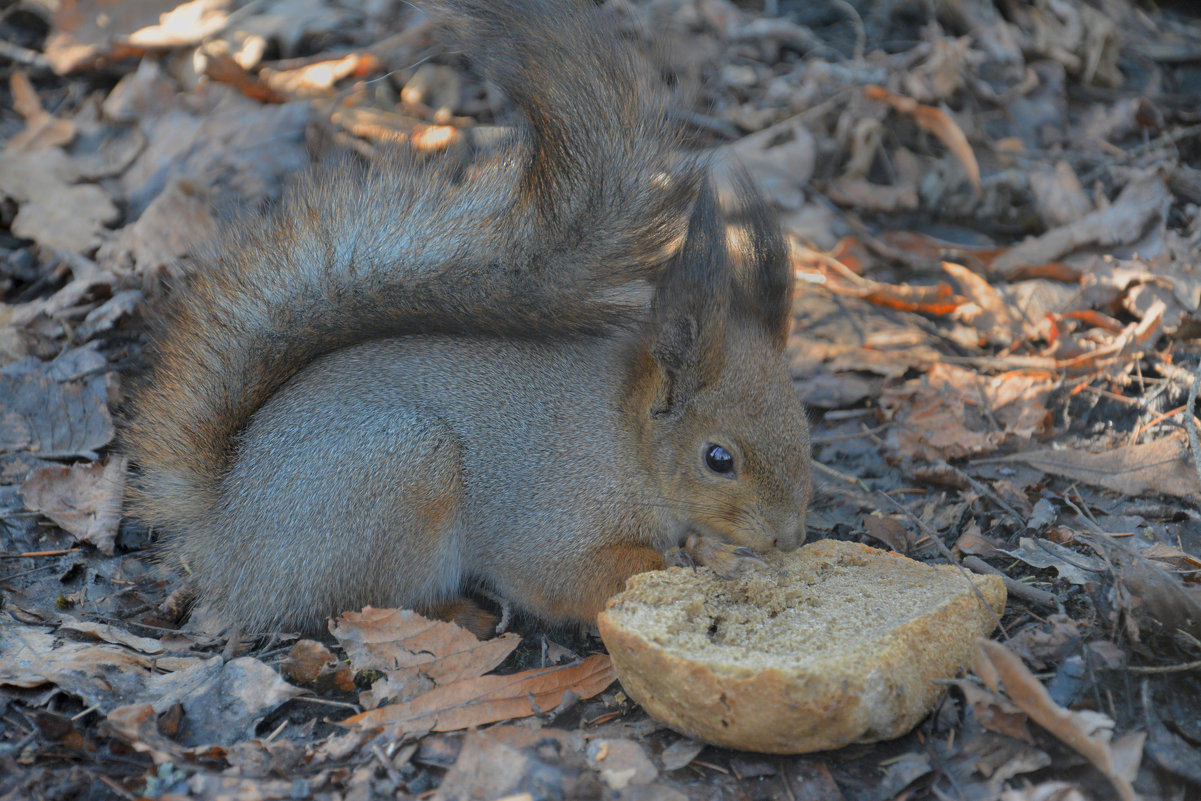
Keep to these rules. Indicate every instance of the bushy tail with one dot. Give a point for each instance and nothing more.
(561, 230)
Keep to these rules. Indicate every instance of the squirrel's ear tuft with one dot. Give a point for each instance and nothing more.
(690, 308)
(765, 293)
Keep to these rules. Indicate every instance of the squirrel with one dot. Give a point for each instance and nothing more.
(534, 372)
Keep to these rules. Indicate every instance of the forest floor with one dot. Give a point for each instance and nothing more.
(994, 209)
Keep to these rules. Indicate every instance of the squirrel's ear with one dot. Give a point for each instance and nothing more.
(690, 308)
(765, 294)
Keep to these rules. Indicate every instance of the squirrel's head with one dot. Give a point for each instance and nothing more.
(723, 429)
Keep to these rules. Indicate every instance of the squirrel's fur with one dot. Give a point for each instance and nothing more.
(425, 374)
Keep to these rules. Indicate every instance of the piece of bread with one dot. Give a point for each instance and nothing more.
(832, 644)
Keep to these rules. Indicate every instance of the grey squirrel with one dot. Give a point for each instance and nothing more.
(536, 371)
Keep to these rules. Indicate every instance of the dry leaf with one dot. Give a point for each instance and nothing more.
(110, 633)
(1143, 202)
(51, 415)
(487, 699)
(862, 194)
(1074, 567)
(621, 763)
(41, 128)
(84, 500)
(312, 664)
(989, 313)
(779, 159)
(53, 209)
(937, 122)
(952, 412)
(415, 652)
(1086, 732)
(1162, 466)
(84, 32)
(319, 78)
(223, 701)
(101, 674)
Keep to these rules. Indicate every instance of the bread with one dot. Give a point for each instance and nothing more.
(832, 644)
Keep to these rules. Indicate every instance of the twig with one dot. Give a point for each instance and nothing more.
(31, 554)
(1165, 668)
(24, 56)
(988, 491)
(1190, 421)
(1016, 588)
(1141, 150)
(831, 472)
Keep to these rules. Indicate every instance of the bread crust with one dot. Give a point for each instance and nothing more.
(837, 696)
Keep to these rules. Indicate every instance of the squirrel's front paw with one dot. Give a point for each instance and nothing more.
(725, 559)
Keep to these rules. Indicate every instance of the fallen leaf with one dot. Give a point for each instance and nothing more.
(1162, 466)
(488, 768)
(989, 312)
(42, 129)
(85, 32)
(1076, 568)
(107, 632)
(951, 412)
(318, 78)
(779, 160)
(312, 664)
(487, 699)
(937, 122)
(103, 675)
(862, 194)
(680, 753)
(53, 209)
(415, 652)
(994, 711)
(51, 416)
(621, 763)
(1141, 203)
(85, 500)
(223, 701)
(1086, 732)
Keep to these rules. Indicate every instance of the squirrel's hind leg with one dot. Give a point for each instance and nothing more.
(324, 515)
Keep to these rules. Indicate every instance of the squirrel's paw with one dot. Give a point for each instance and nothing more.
(725, 559)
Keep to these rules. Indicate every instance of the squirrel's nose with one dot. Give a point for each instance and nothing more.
(791, 536)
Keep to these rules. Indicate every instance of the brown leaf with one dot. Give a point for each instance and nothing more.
(1162, 466)
(487, 699)
(994, 711)
(937, 122)
(1142, 203)
(952, 412)
(101, 674)
(890, 532)
(312, 664)
(1086, 732)
(319, 78)
(41, 128)
(223, 69)
(989, 313)
(393, 640)
(51, 415)
(84, 500)
(85, 32)
(53, 208)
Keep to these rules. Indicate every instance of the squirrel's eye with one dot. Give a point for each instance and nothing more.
(719, 459)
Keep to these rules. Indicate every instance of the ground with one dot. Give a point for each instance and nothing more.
(993, 212)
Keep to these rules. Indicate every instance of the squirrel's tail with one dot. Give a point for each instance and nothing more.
(562, 229)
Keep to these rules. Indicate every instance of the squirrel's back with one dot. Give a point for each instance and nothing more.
(560, 229)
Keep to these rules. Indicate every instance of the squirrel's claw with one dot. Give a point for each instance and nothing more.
(725, 559)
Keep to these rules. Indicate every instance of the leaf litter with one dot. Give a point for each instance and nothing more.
(994, 211)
